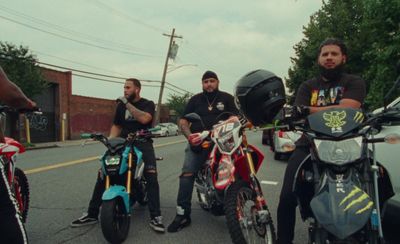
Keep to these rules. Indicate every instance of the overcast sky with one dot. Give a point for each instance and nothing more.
(125, 39)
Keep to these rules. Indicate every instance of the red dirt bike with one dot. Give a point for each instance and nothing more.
(227, 183)
(16, 178)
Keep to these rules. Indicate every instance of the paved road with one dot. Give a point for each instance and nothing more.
(62, 181)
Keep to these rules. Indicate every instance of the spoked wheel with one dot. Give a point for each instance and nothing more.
(21, 192)
(114, 220)
(245, 223)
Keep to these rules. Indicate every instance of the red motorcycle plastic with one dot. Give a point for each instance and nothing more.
(16, 177)
(227, 183)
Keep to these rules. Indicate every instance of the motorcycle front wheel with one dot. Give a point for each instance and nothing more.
(114, 220)
(242, 217)
(21, 192)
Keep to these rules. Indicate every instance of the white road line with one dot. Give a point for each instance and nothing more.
(267, 182)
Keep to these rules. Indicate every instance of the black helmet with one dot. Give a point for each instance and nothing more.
(260, 95)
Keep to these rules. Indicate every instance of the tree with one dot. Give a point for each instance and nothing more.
(178, 103)
(370, 30)
(20, 66)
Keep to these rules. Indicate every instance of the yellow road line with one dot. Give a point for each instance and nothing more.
(83, 160)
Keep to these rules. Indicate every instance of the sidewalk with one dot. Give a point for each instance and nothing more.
(66, 143)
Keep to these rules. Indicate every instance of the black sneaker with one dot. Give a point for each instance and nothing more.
(157, 225)
(180, 222)
(85, 219)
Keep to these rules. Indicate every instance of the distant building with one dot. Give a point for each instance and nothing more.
(76, 114)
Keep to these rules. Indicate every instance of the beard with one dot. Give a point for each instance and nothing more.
(131, 97)
(331, 74)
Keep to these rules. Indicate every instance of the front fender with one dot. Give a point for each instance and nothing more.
(117, 191)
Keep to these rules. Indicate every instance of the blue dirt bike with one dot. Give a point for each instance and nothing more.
(122, 168)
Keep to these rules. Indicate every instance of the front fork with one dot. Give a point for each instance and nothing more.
(129, 175)
(262, 211)
(376, 216)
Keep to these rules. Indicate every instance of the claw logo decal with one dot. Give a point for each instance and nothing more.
(357, 197)
(358, 117)
(335, 120)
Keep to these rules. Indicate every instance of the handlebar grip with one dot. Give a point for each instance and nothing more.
(86, 136)
(204, 134)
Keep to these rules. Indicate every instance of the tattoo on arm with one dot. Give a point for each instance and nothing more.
(184, 125)
(139, 115)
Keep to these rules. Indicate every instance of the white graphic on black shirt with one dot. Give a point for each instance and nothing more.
(220, 106)
(128, 116)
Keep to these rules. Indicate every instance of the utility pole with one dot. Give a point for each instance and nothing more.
(172, 36)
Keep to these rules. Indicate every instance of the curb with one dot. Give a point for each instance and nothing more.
(59, 144)
(41, 147)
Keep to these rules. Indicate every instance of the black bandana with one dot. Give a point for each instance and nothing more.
(331, 74)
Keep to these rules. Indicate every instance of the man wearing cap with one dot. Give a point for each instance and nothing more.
(209, 104)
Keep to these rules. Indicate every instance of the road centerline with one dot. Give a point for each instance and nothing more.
(83, 160)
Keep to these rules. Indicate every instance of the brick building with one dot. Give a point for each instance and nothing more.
(72, 114)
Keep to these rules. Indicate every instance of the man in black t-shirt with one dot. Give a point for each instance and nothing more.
(133, 113)
(332, 88)
(209, 104)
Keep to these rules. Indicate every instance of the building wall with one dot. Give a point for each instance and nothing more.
(63, 92)
(89, 115)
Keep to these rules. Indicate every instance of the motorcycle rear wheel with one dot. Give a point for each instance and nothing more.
(241, 217)
(115, 221)
(21, 192)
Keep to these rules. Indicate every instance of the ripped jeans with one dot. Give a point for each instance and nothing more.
(191, 165)
(153, 188)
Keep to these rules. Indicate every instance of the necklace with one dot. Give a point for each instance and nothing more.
(210, 107)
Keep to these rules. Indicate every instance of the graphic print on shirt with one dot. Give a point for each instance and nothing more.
(128, 116)
(326, 97)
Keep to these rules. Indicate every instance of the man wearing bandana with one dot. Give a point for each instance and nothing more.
(332, 88)
(209, 104)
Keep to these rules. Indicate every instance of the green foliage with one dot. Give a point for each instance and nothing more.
(178, 103)
(371, 31)
(20, 67)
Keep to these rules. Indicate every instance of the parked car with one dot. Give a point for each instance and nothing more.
(388, 155)
(166, 129)
(282, 141)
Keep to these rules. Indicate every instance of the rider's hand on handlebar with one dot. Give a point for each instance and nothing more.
(122, 100)
(32, 105)
(195, 139)
(296, 112)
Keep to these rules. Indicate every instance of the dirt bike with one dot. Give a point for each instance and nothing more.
(122, 168)
(340, 187)
(16, 177)
(227, 182)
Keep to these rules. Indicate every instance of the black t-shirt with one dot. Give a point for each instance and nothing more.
(128, 123)
(218, 102)
(319, 93)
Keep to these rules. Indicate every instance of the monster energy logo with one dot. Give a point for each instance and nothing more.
(358, 117)
(335, 120)
(357, 199)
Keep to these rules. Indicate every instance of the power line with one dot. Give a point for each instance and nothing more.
(120, 82)
(78, 41)
(6, 56)
(122, 14)
(177, 87)
(63, 29)
(91, 73)
(111, 81)
(74, 62)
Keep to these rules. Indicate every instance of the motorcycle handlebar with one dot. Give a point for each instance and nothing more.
(35, 110)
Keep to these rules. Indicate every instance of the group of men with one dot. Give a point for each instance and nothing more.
(134, 113)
